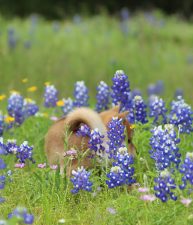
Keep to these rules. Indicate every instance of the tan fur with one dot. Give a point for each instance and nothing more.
(57, 141)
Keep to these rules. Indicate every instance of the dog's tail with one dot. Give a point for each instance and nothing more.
(85, 116)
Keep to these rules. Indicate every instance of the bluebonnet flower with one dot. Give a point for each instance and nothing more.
(15, 107)
(164, 147)
(2, 147)
(2, 164)
(30, 108)
(50, 96)
(68, 106)
(2, 181)
(121, 173)
(121, 90)
(25, 152)
(11, 39)
(80, 94)
(21, 213)
(11, 146)
(80, 180)
(181, 115)
(56, 26)
(138, 113)
(1, 124)
(115, 135)
(124, 13)
(103, 97)
(83, 131)
(157, 109)
(187, 170)
(164, 186)
(96, 141)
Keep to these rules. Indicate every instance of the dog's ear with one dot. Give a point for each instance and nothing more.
(123, 115)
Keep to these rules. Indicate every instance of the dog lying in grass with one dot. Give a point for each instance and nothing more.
(62, 135)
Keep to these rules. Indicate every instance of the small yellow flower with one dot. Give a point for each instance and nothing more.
(132, 126)
(47, 83)
(2, 97)
(9, 119)
(14, 92)
(28, 100)
(32, 89)
(60, 103)
(25, 80)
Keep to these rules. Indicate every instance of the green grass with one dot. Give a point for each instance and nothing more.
(93, 51)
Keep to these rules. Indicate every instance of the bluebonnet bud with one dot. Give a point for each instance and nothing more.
(103, 97)
(155, 89)
(121, 90)
(50, 96)
(30, 107)
(178, 92)
(80, 94)
(164, 147)
(157, 109)
(96, 141)
(181, 115)
(2, 147)
(164, 186)
(121, 173)
(135, 92)
(80, 180)
(15, 107)
(83, 131)
(68, 106)
(21, 213)
(187, 170)
(115, 135)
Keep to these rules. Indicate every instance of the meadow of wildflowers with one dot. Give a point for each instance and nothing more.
(43, 79)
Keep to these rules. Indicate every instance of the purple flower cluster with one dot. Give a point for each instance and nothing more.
(11, 38)
(68, 106)
(181, 115)
(103, 97)
(121, 90)
(22, 152)
(2, 167)
(50, 96)
(157, 109)
(22, 215)
(15, 107)
(80, 180)
(80, 94)
(187, 170)
(164, 147)
(115, 135)
(164, 187)
(83, 131)
(96, 142)
(121, 173)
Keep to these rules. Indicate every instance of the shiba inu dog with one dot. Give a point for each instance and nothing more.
(62, 135)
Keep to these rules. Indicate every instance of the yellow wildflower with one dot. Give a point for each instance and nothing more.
(132, 126)
(25, 80)
(28, 100)
(14, 92)
(60, 103)
(32, 89)
(47, 83)
(45, 114)
(9, 119)
(2, 97)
